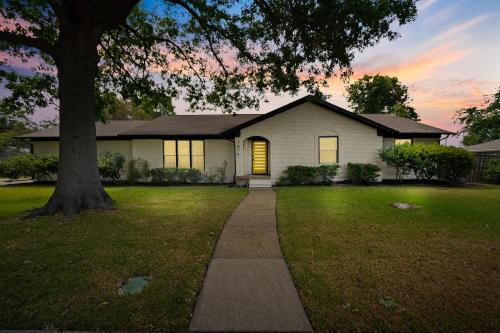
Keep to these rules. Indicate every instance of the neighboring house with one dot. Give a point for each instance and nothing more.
(485, 148)
(483, 152)
(256, 147)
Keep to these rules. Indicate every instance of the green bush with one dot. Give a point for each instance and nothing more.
(17, 166)
(397, 157)
(44, 167)
(361, 173)
(454, 164)
(306, 175)
(36, 167)
(171, 176)
(492, 171)
(451, 164)
(110, 165)
(138, 170)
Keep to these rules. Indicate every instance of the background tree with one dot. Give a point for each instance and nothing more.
(10, 145)
(116, 108)
(218, 54)
(14, 108)
(380, 94)
(480, 124)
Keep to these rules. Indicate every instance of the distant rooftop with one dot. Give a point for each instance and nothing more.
(403, 125)
(490, 146)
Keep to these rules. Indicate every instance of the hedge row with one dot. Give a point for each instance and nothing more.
(307, 175)
(111, 168)
(424, 161)
(451, 164)
(36, 167)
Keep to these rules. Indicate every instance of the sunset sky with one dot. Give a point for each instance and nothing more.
(449, 57)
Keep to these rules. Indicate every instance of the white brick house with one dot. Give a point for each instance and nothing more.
(255, 148)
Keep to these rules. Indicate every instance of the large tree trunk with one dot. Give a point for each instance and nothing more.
(78, 182)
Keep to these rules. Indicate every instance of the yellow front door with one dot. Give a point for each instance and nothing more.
(259, 157)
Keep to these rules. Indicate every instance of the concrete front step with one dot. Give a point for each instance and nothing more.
(259, 183)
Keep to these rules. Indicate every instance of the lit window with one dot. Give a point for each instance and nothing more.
(169, 154)
(184, 154)
(398, 142)
(198, 155)
(328, 153)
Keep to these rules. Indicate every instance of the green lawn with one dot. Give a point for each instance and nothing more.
(362, 265)
(61, 273)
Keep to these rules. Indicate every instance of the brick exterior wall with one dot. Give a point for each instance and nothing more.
(293, 140)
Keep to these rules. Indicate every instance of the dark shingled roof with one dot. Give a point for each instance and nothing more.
(403, 125)
(206, 125)
(110, 129)
(489, 146)
(195, 124)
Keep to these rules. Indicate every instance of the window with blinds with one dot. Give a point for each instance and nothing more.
(328, 150)
(184, 154)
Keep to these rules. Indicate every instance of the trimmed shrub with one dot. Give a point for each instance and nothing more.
(110, 165)
(36, 167)
(451, 164)
(454, 164)
(297, 175)
(492, 171)
(138, 170)
(17, 166)
(44, 167)
(172, 176)
(189, 176)
(306, 175)
(325, 174)
(362, 174)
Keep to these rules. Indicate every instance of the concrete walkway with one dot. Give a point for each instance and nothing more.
(247, 287)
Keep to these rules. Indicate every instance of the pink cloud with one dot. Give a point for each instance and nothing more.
(418, 67)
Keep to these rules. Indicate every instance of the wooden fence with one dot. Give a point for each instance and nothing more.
(480, 162)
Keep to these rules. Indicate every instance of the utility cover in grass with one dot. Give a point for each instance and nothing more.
(404, 205)
(134, 285)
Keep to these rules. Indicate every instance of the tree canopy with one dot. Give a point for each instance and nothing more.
(480, 124)
(116, 108)
(380, 94)
(220, 54)
(215, 54)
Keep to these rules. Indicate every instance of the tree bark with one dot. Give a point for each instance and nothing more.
(78, 184)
